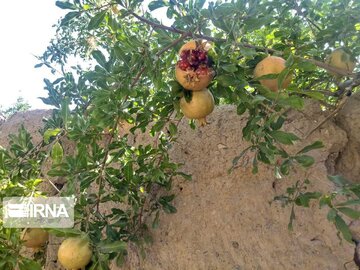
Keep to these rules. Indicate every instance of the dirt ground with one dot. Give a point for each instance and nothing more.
(230, 221)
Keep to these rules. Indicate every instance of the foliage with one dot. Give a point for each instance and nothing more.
(19, 106)
(341, 202)
(126, 77)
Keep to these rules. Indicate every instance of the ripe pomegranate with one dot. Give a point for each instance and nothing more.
(271, 65)
(201, 104)
(194, 80)
(193, 70)
(35, 238)
(341, 59)
(74, 253)
(195, 44)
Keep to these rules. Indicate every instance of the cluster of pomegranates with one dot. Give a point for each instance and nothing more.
(193, 71)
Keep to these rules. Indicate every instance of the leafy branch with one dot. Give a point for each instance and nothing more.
(247, 45)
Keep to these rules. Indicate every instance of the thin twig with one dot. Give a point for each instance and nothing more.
(338, 108)
(172, 44)
(299, 11)
(103, 163)
(328, 67)
(137, 77)
(52, 184)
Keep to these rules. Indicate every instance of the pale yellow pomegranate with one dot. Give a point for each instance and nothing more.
(74, 253)
(341, 59)
(195, 44)
(201, 104)
(35, 238)
(271, 65)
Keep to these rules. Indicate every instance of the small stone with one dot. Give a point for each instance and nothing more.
(235, 244)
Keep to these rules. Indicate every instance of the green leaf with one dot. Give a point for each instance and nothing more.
(332, 215)
(241, 108)
(50, 133)
(69, 232)
(256, 22)
(237, 158)
(229, 67)
(305, 160)
(226, 80)
(268, 77)
(65, 5)
(54, 173)
(325, 200)
(224, 9)
(278, 124)
(167, 198)
(57, 153)
(169, 209)
(283, 137)
(312, 94)
(172, 129)
(199, 4)
(187, 177)
(247, 52)
(355, 188)
(99, 57)
(255, 168)
(282, 76)
(128, 171)
(343, 228)
(349, 202)
(315, 145)
(306, 66)
(292, 101)
(304, 199)
(156, 4)
(292, 218)
(290, 61)
(285, 167)
(97, 20)
(338, 180)
(155, 223)
(112, 247)
(351, 213)
(68, 17)
(120, 259)
(65, 111)
(27, 264)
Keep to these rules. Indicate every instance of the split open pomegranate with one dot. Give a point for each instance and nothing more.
(193, 71)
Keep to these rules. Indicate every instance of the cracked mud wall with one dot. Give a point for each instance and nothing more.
(349, 159)
(227, 221)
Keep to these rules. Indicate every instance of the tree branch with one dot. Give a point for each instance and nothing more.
(175, 42)
(338, 108)
(299, 11)
(247, 45)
